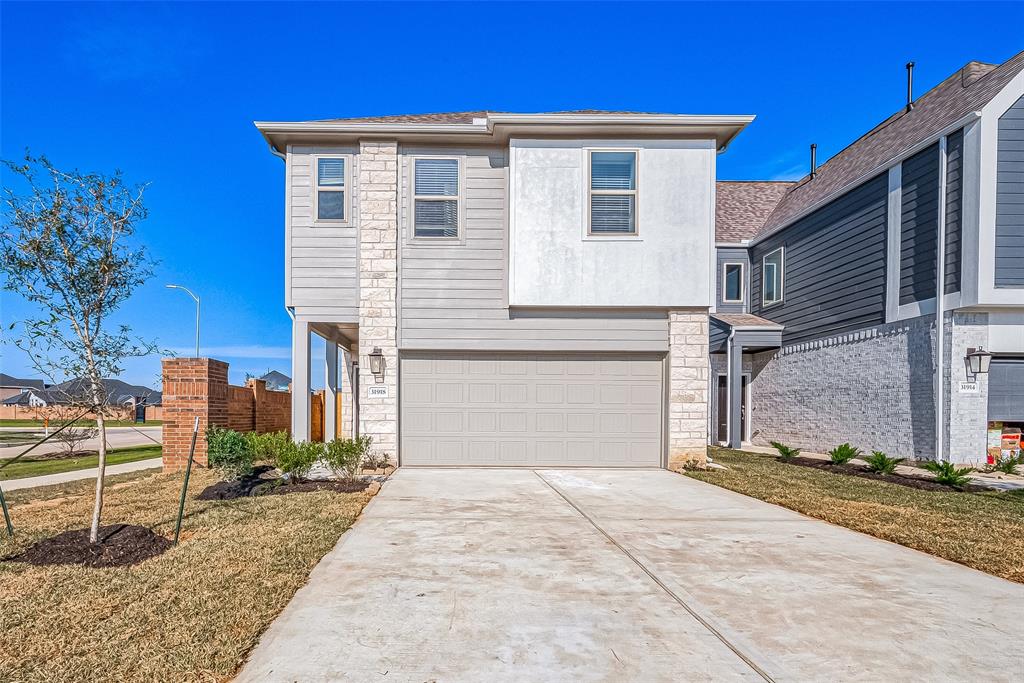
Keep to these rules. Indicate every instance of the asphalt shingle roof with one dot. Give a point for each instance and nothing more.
(966, 90)
(459, 117)
(742, 207)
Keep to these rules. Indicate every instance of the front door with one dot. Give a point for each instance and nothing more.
(723, 409)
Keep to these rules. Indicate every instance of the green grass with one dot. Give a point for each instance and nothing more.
(35, 467)
(981, 530)
(84, 423)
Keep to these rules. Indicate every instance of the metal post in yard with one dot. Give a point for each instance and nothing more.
(7, 515)
(184, 486)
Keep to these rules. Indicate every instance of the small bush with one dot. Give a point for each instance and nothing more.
(345, 456)
(785, 452)
(843, 454)
(881, 463)
(297, 459)
(228, 453)
(949, 474)
(266, 446)
(376, 460)
(1007, 464)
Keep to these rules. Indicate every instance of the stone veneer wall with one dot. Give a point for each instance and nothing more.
(873, 389)
(378, 289)
(689, 382)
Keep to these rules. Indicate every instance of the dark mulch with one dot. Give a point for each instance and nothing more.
(259, 484)
(860, 471)
(119, 545)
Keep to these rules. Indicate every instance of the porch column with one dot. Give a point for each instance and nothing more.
(330, 390)
(735, 394)
(348, 416)
(300, 380)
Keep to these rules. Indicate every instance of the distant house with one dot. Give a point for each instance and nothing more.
(276, 381)
(12, 386)
(72, 391)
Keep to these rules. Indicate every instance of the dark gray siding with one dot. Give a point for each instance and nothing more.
(1009, 269)
(954, 198)
(834, 271)
(732, 255)
(1006, 389)
(719, 336)
(919, 226)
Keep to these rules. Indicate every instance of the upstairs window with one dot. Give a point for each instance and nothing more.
(436, 198)
(732, 283)
(331, 189)
(612, 193)
(772, 277)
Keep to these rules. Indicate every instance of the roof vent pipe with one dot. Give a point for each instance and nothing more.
(814, 160)
(910, 86)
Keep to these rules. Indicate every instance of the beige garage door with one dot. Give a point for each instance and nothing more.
(531, 410)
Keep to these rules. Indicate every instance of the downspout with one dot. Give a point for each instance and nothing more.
(940, 327)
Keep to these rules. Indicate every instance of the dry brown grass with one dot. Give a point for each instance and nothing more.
(192, 613)
(984, 531)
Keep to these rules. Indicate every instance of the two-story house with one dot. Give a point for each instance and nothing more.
(825, 328)
(576, 288)
(506, 289)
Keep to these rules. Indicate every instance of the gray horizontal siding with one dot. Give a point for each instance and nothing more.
(954, 199)
(455, 295)
(919, 226)
(732, 255)
(834, 270)
(323, 274)
(1009, 266)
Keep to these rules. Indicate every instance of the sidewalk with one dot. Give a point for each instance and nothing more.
(90, 473)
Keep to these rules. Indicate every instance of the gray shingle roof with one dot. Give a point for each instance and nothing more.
(742, 207)
(745, 320)
(458, 117)
(8, 381)
(966, 90)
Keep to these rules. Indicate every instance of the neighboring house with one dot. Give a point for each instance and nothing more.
(506, 289)
(825, 328)
(76, 391)
(12, 386)
(276, 381)
(575, 288)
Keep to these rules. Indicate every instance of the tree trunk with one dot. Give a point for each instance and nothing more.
(94, 530)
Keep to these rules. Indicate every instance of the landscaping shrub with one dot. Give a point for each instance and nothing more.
(881, 463)
(1008, 464)
(376, 460)
(297, 459)
(949, 474)
(843, 454)
(345, 456)
(264, 447)
(227, 452)
(785, 452)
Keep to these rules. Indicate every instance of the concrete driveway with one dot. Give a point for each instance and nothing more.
(643, 575)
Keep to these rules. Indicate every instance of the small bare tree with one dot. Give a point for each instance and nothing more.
(72, 440)
(67, 247)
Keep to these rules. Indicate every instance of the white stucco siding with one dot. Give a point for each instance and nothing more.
(553, 262)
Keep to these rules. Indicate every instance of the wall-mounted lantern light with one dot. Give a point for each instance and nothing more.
(978, 360)
(377, 364)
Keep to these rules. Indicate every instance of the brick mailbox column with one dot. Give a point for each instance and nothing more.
(191, 387)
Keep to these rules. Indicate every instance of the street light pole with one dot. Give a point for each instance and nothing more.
(196, 299)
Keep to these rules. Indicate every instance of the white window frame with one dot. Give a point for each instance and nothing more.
(782, 276)
(347, 189)
(743, 282)
(459, 204)
(635, 192)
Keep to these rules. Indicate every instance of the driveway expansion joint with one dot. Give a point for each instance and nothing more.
(746, 658)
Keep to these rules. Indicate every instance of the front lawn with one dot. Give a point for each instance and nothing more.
(192, 613)
(981, 530)
(30, 466)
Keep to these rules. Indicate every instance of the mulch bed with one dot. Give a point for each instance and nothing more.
(859, 471)
(119, 545)
(259, 484)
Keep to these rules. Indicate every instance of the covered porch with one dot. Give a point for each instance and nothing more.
(335, 366)
(734, 335)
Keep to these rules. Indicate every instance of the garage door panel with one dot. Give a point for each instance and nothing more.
(1006, 389)
(551, 410)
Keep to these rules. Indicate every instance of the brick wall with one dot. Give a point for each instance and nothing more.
(198, 387)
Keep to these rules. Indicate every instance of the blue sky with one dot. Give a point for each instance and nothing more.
(168, 93)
